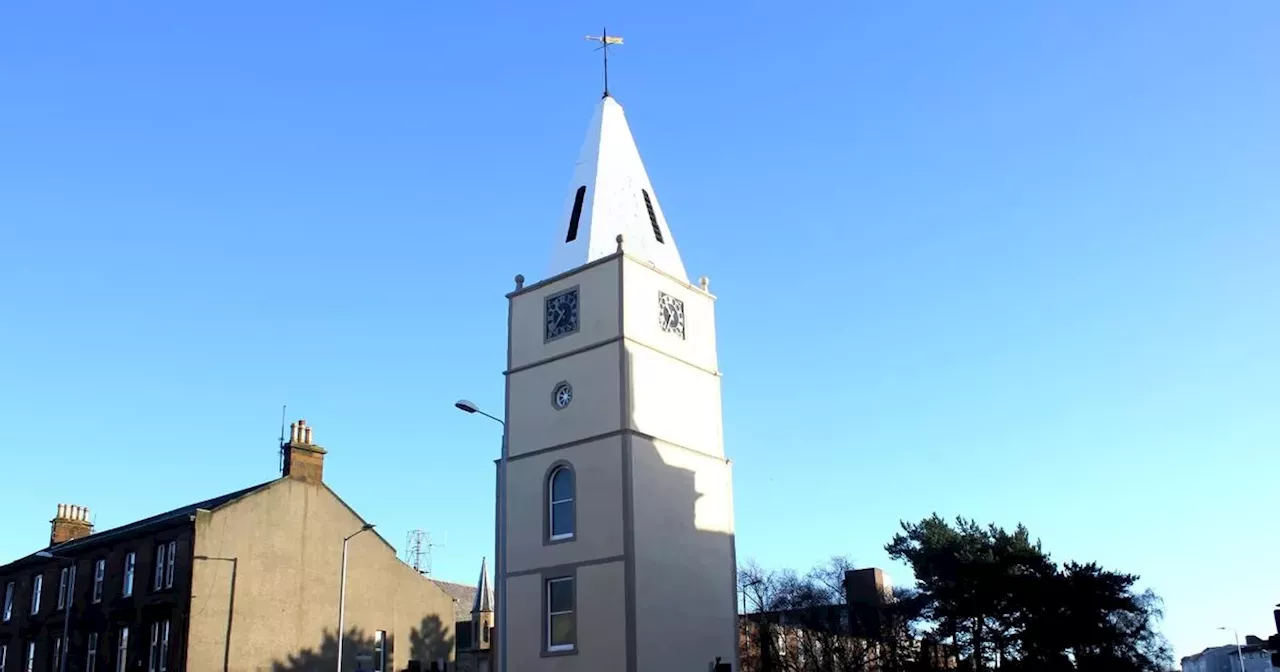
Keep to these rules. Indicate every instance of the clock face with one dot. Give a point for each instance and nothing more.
(671, 314)
(562, 395)
(562, 314)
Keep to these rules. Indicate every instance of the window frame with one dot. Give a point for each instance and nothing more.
(37, 587)
(548, 647)
(130, 566)
(157, 578)
(99, 579)
(4, 657)
(57, 650)
(379, 651)
(62, 589)
(30, 664)
(169, 564)
(550, 536)
(153, 650)
(164, 646)
(10, 589)
(91, 654)
(122, 649)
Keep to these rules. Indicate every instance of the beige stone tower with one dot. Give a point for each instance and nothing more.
(619, 524)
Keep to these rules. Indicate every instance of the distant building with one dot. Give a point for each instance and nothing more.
(473, 607)
(1226, 659)
(245, 581)
(858, 633)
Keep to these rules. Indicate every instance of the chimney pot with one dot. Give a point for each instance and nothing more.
(293, 432)
(307, 438)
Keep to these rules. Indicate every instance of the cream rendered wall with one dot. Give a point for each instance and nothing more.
(684, 555)
(641, 284)
(287, 539)
(598, 301)
(597, 467)
(535, 424)
(600, 615)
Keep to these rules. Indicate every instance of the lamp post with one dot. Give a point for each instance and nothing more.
(500, 533)
(66, 609)
(342, 591)
(1239, 651)
(231, 607)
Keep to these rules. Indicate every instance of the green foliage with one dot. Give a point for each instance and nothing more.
(996, 599)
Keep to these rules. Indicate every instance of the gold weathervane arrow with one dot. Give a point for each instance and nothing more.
(606, 40)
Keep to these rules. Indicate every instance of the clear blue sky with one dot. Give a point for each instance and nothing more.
(1011, 260)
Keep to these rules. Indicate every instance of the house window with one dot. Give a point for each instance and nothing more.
(129, 561)
(4, 655)
(62, 588)
(164, 646)
(8, 605)
(57, 651)
(31, 657)
(158, 580)
(560, 512)
(158, 653)
(99, 574)
(653, 218)
(379, 651)
(561, 633)
(168, 568)
(122, 651)
(576, 215)
(91, 658)
(37, 586)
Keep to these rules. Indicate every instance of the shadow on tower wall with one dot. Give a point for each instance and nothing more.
(429, 642)
(685, 548)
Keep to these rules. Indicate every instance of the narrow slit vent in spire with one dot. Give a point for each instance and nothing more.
(577, 214)
(653, 219)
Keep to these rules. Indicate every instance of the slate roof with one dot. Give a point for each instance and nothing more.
(463, 597)
(145, 524)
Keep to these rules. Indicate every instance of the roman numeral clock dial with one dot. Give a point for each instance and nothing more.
(671, 314)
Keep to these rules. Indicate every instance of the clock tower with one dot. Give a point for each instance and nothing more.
(619, 546)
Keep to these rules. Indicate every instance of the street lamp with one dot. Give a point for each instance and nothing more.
(499, 534)
(66, 608)
(1239, 652)
(342, 590)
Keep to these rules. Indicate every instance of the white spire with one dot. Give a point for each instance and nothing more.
(611, 195)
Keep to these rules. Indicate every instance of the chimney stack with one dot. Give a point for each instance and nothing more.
(303, 460)
(71, 522)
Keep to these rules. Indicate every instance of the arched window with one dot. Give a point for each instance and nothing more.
(560, 504)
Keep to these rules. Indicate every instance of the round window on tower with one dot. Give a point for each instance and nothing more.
(561, 395)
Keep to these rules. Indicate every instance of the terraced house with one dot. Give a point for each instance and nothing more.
(249, 580)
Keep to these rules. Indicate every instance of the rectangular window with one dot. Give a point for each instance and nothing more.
(561, 635)
(168, 568)
(57, 651)
(153, 653)
(380, 651)
(157, 581)
(8, 604)
(31, 657)
(129, 561)
(4, 654)
(37, 587)
(122, 651)
(99, 574)
(62, 588)
(164, 646)
(91, 658)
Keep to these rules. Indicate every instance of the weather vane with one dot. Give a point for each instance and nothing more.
(605, 41)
